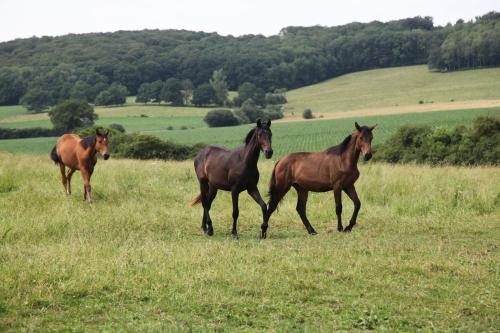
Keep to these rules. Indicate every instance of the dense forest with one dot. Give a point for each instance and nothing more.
(43, 71)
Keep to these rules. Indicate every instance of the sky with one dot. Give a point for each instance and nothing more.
(27, 18)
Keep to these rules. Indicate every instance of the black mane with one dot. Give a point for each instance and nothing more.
(339, 149)
(89, 141)
(249, 135)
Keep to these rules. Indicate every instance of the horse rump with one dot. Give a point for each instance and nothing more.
(53, 155)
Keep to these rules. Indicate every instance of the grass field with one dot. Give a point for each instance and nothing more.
(393, 87)
(287, 137)
(423, 257)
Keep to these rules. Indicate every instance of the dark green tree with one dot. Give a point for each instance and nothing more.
(116, 94)
(172, 92)
(37, 100)
(70, 114)
(219, 85)
(204, 94)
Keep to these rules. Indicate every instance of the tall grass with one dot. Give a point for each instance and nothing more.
(424, 255)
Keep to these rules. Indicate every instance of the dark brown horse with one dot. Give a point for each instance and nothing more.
(79, 154)
(334, 169)
(218, 168)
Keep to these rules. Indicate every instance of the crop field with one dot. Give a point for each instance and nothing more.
(424, 255)
(287, 137)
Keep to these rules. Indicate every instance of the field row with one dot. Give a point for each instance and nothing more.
(310, 135)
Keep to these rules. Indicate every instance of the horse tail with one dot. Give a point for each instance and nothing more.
(53, 155)
(272, 185)
(196, 200)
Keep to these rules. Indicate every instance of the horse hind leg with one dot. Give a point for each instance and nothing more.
(302, 196)
(64, 180)
(275, 196)
(208, 194)
(68, 177)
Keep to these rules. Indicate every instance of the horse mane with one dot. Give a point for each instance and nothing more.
(88, 141)
(249, 135)
(339, 149)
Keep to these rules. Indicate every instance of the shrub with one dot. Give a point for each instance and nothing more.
(307, 114)
(145, 147)
(459, 146)
(220, 118)
(21, 133)
(117, 127)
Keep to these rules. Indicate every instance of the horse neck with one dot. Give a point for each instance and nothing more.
(350, 156)
(251, 152)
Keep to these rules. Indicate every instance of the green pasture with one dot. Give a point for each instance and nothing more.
(311, 135)
(423, 257)
(392, 87)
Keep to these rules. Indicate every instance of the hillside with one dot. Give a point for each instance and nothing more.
(41, 71)
(396, 89)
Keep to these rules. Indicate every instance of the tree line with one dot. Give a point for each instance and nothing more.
(100, 67)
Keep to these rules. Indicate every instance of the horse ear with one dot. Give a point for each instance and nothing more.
(371, 128)
(268, 123)
(106, 132)
(97, 132)
(357, 126)
(259, 123)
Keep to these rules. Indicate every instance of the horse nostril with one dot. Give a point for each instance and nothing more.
(368, 156)
(106, 156)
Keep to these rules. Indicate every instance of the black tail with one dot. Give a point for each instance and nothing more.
(53, 155)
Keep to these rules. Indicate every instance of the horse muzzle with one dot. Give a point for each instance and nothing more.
(368, 156)
(268, 153)
(105, 156)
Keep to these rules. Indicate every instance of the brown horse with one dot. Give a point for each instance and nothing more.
(218, 168)
(334, 169)
(79, 154)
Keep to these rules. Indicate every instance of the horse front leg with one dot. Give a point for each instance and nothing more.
(86, 184)
(351, 192)
(337, 193)
(235, 195)
(255, 194)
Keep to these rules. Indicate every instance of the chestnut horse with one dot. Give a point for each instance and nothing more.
(79, 154)
(334, 169)
(218, 168)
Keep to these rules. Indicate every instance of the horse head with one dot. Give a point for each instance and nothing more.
(102, 143)
(263, 137)
(364, 139)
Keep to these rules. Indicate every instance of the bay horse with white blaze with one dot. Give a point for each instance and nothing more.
(334, 169)
(79, 154)
(218, 168)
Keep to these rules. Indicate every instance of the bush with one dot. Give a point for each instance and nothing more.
(459, 146)
(146, 147)
(22, 133)
(307, 114)
(220, 118)
(117, 127)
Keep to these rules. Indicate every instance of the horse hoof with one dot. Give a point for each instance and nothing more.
(347, 229)
(340, 229)
(313, 233)
(263, 235)
(210, 232)
(235, 237)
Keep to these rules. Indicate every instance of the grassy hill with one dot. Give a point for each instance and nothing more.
(366, 97)
(395, 87)
(424, 255)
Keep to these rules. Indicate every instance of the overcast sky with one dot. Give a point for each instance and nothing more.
(26, 18)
